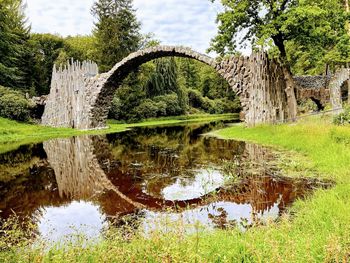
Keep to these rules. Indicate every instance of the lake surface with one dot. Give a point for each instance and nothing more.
(152, 179)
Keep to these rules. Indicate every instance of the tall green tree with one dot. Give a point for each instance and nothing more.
(164, 78)
(314, 29)
(116, 31)
(14, 52)
(188, 69)
(46, 49)
(78, 47)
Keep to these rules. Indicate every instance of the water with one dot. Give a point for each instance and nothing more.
(155, 179)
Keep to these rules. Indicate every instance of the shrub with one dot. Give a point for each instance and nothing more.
(195, 98)
(14, 105)
(116, 109)
(218, 107)
(306, 105)
(149, 109)
(230, 106)
(342, 118)
(208, 105)
(172, 105)
(161, 108)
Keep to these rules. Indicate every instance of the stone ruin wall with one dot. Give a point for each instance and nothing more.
(325, 89)
(66, 104)
(260, 84)
(335, 84)
(315, 87)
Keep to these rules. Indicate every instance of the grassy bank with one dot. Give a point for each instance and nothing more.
(13, 134)
(318, 231)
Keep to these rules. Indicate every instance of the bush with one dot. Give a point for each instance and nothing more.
(14, 105)
(226, 105)
(161, 108)
(208, 105)
(150, 109)
(116, 109)
(171, 102)
(307, 105)
(342, 118)
(146, 109)
(216, 106)
(195, 98)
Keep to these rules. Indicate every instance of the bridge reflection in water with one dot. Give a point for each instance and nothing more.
(150, 176)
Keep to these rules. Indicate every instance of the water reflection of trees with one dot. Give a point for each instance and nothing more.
(154, 153)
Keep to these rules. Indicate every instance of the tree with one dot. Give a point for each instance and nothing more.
(78, 48)
(14, 52)
(116, 31)
(164, 78)
(316, 27)
(319, 36)
(46, 49)
(189, 71)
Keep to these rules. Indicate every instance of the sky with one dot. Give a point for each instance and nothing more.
(188, 23)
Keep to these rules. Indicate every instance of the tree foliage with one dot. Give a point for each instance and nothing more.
(14, 105)
(164, 78)
(116, 31)
(159, 88)
(304, 34)
(46, 49)
(14, 34)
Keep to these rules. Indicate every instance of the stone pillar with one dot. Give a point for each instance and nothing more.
(65, 105)
(335, 84)
(260, 84)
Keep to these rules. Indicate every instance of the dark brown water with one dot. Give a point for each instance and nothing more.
(157, 178)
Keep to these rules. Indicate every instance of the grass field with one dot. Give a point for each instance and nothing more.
(316, 230)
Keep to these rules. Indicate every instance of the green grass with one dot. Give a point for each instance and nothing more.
(318, 231)
(14, 134)
(327, 146)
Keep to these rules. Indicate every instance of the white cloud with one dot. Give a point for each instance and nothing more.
(173, 22)
(64, 17)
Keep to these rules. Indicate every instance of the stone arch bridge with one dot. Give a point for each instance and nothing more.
(323, 90)
(81, 98)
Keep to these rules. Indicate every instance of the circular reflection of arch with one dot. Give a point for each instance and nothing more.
(80, 177)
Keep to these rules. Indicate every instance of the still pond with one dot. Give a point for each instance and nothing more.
(151, 179)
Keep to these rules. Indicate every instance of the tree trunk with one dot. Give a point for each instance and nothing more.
(290, 84)
(290, 92)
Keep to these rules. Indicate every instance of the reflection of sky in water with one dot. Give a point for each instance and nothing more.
(62, 223)
(203, 182)
(84, 218)
(199, 216)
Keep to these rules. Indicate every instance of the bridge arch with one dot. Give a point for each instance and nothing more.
(80, 98)
(120, 71)
(338, 79)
